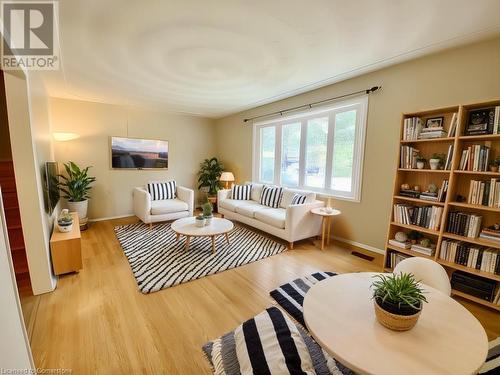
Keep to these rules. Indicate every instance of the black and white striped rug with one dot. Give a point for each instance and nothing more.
(158, 261)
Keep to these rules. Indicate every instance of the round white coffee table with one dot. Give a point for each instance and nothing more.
(447, 339)
(187, 227)
(325, 231)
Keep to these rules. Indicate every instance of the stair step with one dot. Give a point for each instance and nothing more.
(8, 184)
(10, 199)
(12, 217)
(6, 169)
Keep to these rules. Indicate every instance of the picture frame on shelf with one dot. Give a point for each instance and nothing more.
(434, 122)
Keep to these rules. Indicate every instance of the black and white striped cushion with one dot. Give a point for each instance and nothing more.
(271, 196)
(162, 190)
(299, 199)
(241, 192)
(270, 343)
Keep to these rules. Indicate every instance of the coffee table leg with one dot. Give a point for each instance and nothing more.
(227, 238)
(177, 236)
(213, 244)
(187, 242)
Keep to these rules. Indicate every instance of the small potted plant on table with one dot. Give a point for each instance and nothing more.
(398, 300)
(207, 212)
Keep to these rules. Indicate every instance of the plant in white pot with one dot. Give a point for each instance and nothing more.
(436, 161)
(76, 187)
(421, 162)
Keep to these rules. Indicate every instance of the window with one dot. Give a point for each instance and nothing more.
(321, 149)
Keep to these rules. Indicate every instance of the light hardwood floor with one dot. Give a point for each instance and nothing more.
(97, 322)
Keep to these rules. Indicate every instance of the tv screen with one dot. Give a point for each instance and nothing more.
(135, 153)
(51, 186)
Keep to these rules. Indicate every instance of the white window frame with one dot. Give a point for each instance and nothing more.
(360, 104)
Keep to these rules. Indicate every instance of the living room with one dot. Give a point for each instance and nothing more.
(251, 166)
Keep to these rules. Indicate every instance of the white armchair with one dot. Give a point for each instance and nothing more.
(150, 211)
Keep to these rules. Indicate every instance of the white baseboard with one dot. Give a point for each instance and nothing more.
(359, 244)
(111, 217)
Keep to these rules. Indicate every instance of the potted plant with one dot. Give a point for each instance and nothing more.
(209, 178)
(398, 300)
(495, 164)
(76, 187)
(414, 236)
(200, 221)
(65, 221)
(207, 212)
(436, 161)
(421, 162)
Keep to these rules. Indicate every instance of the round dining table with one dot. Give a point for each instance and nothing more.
(340, 315)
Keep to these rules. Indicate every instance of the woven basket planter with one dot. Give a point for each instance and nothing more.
(394, 321)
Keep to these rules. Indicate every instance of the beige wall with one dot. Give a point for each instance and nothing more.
(458, 76)
(191, 139)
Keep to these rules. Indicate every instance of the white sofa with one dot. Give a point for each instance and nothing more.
(150, 211)
(289, 222)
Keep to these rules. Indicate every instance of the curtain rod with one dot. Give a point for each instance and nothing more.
(310, 105)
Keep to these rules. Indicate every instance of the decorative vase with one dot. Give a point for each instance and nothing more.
(200, 221)
(420, 164)
(208, 219)
(80, 208)
(393, 320)
(434, 163)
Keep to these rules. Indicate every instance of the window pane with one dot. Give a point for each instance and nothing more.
(343, 150)
(290, 153)
(317, 135)
(268, 140)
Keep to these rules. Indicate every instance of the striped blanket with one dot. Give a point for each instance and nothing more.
(290, 296)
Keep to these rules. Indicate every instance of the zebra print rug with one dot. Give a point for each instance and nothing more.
(158, 261)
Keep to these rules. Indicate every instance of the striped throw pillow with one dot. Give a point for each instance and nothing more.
(299, 199)
(271, 196)
(162, 190)
(270, 343)
(241, 192)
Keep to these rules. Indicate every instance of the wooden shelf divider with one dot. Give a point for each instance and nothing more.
(458, 183)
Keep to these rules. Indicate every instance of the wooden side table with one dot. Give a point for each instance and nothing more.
(66, 248)
(327, 216)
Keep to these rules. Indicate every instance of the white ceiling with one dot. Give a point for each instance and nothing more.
(213, 58)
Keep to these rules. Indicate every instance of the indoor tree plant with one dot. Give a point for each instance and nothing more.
(208, 177)
(398, 300)
(76, 187)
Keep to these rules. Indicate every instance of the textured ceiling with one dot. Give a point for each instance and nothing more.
(213, 58)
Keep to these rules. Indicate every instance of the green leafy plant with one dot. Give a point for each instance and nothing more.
(440, 157)
(495, 162)
(401, 289)
(421, 159)
(414, 235)
(76, 183)
(207, 208)
(209, 174)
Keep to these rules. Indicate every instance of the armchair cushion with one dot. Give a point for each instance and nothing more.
(167, 206)
(161, 190)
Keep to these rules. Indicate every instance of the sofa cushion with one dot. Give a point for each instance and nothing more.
(256, 192)
(271, 196)
(288, 194)
(272, 216)
(168, 206)
(241, 192)
(298, 199)
(249, 210)
(231, 204)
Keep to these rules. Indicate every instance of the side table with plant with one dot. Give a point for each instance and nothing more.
(398, 300)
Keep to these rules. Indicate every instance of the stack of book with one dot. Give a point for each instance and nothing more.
(430, 133)
(408, 157)
(477, 286)
(464, 224)
(486, 193)
(402, 245)
(475, 158)
(484, 121)
(412, 128)
(410, 193)
(473, 256)
(453, 125)
(424, 250)
(394, 258)
(422, 216)
(490, 234)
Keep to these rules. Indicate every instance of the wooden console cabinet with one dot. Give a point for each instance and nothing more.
(66, 249)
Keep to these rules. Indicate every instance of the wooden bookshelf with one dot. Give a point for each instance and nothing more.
(458, 185)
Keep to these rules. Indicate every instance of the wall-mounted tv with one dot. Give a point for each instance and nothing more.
(136, 153)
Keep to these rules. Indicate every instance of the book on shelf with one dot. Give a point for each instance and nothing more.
(423, 216)
(483, 121)
(410, 193)
(408, 157)
(424, 250)
(452, 130)
(394, 258)
(449, 157)
(443, 190)
(464, 224)
(439, 196)
(473, 256)
(474, 285)
(484, 193)
(412, 127)
(431, 134)
(496, 298)
(490, 234)
(402, 245)
(475, 158)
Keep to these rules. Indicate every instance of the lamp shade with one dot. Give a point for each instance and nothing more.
(226, 177)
